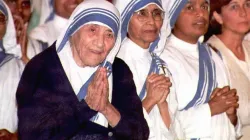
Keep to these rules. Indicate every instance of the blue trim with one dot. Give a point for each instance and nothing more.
(130, 9)
(207, 77)
(3, 9)
(89, 18)
(176, 12)
(52, 14)
(84, 89)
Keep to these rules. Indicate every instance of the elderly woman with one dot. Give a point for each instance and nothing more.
(144, 33)
(72, 91)
(207, 106)
(232, 19)
(10, 72)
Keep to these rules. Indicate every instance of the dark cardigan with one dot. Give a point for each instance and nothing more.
(48, 108)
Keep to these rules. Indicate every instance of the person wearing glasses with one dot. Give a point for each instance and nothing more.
(206, 104)
(144, 33)
(11, 68)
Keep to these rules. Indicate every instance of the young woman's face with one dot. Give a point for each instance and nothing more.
(193, 20)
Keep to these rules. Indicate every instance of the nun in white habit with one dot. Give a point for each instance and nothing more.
(56, 18)
(144, 32)
(72, 90)
(197, 71)
(10, 71)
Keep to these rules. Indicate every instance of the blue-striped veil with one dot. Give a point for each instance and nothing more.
(207, 74)
(98, 12)
(6, 44)
(127, 9)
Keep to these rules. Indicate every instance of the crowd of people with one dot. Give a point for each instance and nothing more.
(125, 69)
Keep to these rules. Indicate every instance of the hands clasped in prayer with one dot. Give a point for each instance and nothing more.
(224, 100)
(98, 97)
(158, 87)
(98, 92)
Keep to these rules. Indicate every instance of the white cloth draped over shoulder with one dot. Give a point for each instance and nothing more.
(239, 75)
(140, 60)
(89, 12)
(11, 68)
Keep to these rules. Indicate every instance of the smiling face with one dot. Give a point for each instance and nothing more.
(91, 44)
(235, 17)
(143, 32)
(193, 21)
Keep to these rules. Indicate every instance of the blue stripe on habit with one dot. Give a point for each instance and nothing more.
(205, 85)
(78, 22)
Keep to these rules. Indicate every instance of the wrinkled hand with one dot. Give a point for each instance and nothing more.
(222, 100)
(158, 87)
(6, 135)
(98, 91)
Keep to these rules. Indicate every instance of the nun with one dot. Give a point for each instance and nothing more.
(206, 104)
(72, 90)
(10, 72)
(144, 32)
(57, 18)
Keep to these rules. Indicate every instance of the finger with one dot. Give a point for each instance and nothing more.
(158, 78)
(225, 89)
(231, 93)
(215, 91)
(161, 82)
(105, 86)
(98, 79)
(151, 77)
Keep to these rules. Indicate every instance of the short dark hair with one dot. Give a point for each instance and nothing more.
(214, 26)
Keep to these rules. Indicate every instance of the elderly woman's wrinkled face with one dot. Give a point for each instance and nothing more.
(145, 25)
(3, 24)
(91, 44)
(64, 8)
(235, 17)
(24, 9)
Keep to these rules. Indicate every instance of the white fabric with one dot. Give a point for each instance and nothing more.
(196, 122)
(10, 74)
(9, 39)
(74, 72)
(164, 32)
(139, 60)
(239, 74)
(46, 33)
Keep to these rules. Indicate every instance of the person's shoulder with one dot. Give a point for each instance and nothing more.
(43, 58)
(120, 68)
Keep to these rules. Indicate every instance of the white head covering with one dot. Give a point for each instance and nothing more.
(128, 7)
(174, 8)
(99, 12)
(9, 40)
